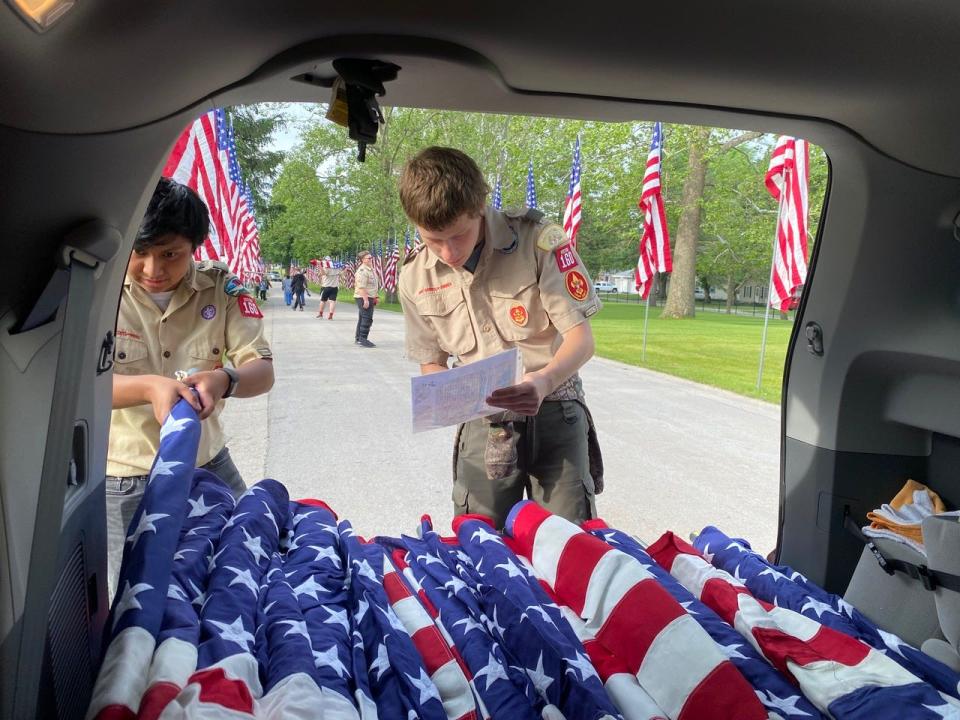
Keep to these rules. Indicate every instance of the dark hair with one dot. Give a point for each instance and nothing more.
(174, 209)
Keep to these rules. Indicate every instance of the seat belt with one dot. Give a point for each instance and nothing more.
(931, 579)
(80, 259)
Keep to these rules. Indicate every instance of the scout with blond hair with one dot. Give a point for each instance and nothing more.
(486, 281)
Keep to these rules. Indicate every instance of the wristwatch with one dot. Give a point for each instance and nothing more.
(234, 381)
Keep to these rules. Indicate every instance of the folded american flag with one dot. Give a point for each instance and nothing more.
(266, 607)
(842, 676)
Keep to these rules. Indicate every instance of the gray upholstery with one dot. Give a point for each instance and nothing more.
(941, 538)
(896, 603)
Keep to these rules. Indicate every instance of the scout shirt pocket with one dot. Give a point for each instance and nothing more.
(447, 313)
(205, 355)
(130, 356)
(517, 307)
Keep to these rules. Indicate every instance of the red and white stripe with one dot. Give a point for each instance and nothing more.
(654, 250)
(635, 619)
(787, 180)
(439, 658)
(197, 162)
(390, 272)
(825, 663)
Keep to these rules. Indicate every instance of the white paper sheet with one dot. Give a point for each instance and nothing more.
(456, 396)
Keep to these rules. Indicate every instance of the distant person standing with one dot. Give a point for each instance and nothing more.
(331, 284)
(365, 292)
(298, 284)
(287, 292)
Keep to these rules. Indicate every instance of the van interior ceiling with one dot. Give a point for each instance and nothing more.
(91, 106)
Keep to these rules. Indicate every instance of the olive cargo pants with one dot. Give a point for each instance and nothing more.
(546, 457)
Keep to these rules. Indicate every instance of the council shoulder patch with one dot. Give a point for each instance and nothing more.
(518, 313)
(551, 237)
(234, 287)
(577, 285)
(248, 306)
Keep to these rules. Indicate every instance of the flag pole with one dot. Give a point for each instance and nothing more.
(646, 317)
(766, 314)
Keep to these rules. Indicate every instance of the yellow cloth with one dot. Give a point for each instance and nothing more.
(903, 515)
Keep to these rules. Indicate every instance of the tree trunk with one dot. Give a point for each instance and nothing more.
(731, 293)
(683, 279)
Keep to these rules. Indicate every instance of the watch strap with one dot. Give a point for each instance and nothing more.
(234, 381)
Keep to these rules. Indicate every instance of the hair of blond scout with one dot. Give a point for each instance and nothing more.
(438, 185)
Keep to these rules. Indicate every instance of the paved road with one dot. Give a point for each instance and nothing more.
(336, 426)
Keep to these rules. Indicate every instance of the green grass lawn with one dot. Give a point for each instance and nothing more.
(712, 348)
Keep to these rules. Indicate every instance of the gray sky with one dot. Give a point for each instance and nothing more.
(289, 137)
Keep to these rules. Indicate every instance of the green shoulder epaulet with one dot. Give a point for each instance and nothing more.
(515, 212)
(533, 215)
(413, 253)
(205, 265)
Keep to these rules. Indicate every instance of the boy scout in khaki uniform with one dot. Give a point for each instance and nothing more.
(487, 281)
(366, 291)
(176, 317)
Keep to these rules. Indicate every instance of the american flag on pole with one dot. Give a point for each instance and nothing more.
(655, 241)
(571, 208)
(786, 180)
(204, 158)
(531, 187)
(498, 195)
(349, 273)
(377, 250)
(390, 271)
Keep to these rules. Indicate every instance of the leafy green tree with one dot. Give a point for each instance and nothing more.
(254, 127)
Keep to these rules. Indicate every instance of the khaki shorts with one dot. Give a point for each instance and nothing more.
(544, 458)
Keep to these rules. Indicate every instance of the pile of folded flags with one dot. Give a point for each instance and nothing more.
(266, 607)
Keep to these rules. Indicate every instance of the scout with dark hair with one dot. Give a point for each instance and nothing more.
(179, 323)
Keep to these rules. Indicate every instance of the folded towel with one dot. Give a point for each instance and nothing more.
(900, 519)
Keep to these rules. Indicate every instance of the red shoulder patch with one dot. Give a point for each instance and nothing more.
(248, 306)
(565, 257)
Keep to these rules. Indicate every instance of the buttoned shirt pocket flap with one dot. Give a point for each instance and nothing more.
(205, 355)
(129, 352)
(517, 307)
(448, 314)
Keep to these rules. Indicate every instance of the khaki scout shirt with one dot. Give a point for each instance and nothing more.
(519, 295)
(331, 277)
(201, 327)
(366, 278)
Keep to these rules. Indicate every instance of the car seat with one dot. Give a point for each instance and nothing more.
(941, 537)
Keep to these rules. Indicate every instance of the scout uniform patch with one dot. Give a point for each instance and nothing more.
(248, 306)
(566, 260)
(518, 313)
(234, 287)
(209, 312)
(576, 285)
(551, 237)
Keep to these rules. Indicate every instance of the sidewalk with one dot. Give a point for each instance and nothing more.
(336, 427)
